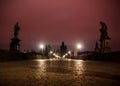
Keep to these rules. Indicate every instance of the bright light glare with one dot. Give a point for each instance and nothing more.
(69, 52)
(66, 54)
(79, 46)
(41, 46)
(51, 52)
(56, 55)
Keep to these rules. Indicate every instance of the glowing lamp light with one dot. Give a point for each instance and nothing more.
(66, 54)
(79, 46)
(41, 46)
(51, 52)
(54, 54)
(69, 52)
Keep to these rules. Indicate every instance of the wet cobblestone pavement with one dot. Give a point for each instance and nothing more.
(59, 73)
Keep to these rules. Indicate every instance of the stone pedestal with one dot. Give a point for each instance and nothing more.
(14, 45)
(106, 50)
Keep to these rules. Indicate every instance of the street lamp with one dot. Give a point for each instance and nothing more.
(51, 52)
(79, 46)
(42, 47)
(69, 52)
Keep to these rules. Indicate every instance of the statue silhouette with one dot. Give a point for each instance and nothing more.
(16, 29)
(14, 45)
(103, 31)
(104, 34)
(104, 26)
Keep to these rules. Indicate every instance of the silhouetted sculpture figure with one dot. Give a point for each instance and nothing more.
(16, 29)
(14, 45)
(104, 38)
(63, 49)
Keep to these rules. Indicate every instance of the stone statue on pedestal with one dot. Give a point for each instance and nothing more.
(14, 45)
(104, 38)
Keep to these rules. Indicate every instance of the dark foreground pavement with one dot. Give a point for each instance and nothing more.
(59, 73)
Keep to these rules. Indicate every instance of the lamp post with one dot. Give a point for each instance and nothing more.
(77, 48)
(69, 54)
(42, 48)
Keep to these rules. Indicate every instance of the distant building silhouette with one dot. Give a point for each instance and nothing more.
(47, 50)
(63, 49)
(14, 45)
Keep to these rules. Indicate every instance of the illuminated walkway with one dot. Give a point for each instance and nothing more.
(59, 73)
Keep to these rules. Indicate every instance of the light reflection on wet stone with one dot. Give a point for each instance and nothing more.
(59, 73)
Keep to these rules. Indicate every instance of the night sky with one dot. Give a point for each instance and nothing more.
(54, 21)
